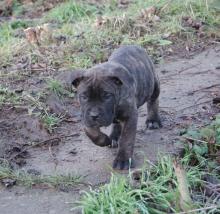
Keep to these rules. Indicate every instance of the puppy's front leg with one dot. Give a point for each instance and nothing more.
(126, 142)
(97, 137)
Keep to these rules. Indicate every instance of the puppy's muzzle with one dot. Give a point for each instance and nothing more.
(94, 115)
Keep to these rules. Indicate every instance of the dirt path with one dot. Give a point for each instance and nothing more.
(187, 89)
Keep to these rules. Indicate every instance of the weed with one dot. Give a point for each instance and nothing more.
(19, 24)
(115, 197)
(23, 178)
(51, 121)
(5, 33)
(55, 87)
(203, 144)
(9, 45)
(40, 109)
(8, 97)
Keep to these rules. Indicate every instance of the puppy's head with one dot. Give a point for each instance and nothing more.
(98, 95)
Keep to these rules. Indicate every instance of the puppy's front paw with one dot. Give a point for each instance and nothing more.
(97, 137)
(153, 124)
(114, 144)
(122, 164)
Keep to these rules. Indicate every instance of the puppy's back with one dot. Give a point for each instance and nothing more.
(140, 66)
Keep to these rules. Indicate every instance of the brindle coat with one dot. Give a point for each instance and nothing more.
(111, 93)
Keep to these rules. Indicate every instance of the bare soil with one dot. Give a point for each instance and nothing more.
(188, 87)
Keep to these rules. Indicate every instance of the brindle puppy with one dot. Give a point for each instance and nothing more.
(111, 93)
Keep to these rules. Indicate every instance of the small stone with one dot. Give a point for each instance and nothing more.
(73, 151)
(8, 182)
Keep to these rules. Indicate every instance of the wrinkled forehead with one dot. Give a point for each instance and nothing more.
(95, 83)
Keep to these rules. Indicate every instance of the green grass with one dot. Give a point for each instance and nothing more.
(114, 197)
(55, 87)
(88, 44)
(9, 44)
(38, 108)
(8, 97)
(124, 28)
(51, 121)
(157, 192)
(156, 189)
(29, 180)
(71, 11)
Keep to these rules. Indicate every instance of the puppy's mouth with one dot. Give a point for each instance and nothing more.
(97, 124)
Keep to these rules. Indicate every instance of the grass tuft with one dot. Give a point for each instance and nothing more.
(29, 180)
(8, 97)
(71, 11)
(51, 121)
(38, 108)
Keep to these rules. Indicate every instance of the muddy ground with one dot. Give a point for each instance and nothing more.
(187, 89)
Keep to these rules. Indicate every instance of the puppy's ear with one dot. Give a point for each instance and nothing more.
(76, 77)
(116, 80)
(71, 78)
(121, 77)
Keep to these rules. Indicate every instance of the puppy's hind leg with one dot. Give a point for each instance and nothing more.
(153, 119)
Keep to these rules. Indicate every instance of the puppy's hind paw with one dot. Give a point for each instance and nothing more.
(123, 164)
(153, 124)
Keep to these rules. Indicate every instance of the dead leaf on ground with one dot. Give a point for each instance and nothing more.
(9, 3)
(190, 22)
(185, 199)
(44, 32)
(6, 7)
(31, 35)
(39, 34)
(149, 14)
(100, 20)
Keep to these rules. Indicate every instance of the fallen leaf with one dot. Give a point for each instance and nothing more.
(31, 36)
(148, 13)
(39, 34)
(99, 21)
(186, 203)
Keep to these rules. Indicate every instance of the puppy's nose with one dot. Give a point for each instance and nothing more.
(94, 115)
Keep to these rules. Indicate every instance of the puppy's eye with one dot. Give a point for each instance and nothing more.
(83, 97)
(106, 95)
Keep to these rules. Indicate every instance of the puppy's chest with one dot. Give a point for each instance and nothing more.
(122, 113)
